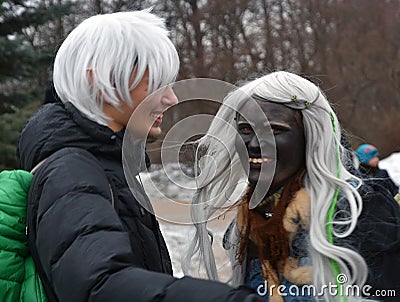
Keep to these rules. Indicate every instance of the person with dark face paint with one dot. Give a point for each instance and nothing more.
(286, 126)
(304, 219)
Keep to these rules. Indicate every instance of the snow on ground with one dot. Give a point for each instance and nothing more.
(171, 181)
(170, 190)
(178, 238)
(392, 165)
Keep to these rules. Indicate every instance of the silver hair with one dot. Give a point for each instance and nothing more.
(111, 47)
(326, 173)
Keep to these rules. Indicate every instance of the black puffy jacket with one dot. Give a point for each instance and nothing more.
(89, 248)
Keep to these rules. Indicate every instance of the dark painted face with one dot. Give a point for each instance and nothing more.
(286, 126)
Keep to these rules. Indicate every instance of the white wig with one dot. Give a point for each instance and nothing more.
(326, 175)
(111, 47)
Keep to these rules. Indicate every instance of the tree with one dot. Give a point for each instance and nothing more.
(23, 59)
(349, 48)
(10, 127)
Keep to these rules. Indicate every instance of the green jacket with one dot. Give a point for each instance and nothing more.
(19, 280)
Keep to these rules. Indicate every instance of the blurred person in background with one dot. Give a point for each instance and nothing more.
(369, 158)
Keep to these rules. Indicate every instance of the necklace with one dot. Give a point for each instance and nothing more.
(267, 206)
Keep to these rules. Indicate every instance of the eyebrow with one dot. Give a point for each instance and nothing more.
(242, 121)
(278, 124)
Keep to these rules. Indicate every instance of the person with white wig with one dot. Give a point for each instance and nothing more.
(305, 225)
(90, 236)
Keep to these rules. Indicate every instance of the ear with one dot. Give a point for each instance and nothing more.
(90, 76)
(89, 73)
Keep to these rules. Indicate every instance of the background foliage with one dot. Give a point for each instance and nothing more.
(350, 48)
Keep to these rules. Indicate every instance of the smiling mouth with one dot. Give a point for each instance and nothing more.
(157, 118)
(156, 115)
(259, 160)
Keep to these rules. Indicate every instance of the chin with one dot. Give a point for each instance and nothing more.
(253, 177)
(154, 132)
(266, 180)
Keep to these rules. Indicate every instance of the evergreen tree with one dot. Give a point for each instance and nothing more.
(24, 59)
(10, 127)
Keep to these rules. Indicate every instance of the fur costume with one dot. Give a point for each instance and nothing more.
(297, 215)
(296, 218)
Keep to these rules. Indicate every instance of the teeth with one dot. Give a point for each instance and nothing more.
(156, 115)
(259, 160)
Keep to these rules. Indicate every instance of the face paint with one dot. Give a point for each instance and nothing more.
(286, 127)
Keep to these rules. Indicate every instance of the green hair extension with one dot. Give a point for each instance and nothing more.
(331, 212)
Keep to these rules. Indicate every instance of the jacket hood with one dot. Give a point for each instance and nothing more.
(56, 126)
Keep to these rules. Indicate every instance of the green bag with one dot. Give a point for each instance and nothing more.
(19, 278)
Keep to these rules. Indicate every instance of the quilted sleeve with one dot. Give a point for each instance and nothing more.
(13, 243)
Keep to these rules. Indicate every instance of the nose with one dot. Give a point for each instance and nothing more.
(169, 98)
(253, 146)
(263, 144)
